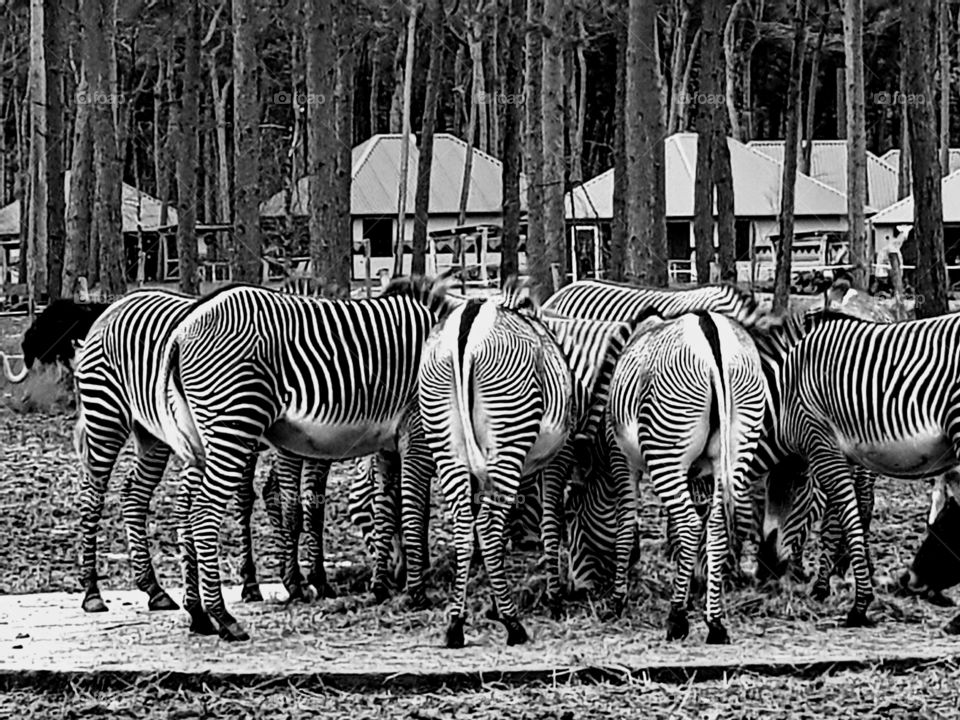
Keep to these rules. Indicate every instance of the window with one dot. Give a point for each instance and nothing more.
(379, 231)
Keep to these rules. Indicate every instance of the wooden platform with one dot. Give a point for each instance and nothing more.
(47, 640)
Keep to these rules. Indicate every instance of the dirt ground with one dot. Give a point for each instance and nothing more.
(39, 550)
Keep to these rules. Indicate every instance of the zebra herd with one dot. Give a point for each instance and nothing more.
(502, 397)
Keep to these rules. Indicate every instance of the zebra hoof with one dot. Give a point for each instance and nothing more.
(417, 600)
(455, 632)
(380, 593)
(717, 634)
(516, 633)
(233, 632)
(555, 605)
(94, 604)
(200, 622)
(953, 627)
(859, 619)
(678, 626)
(251, 593)
(820, 591)
(162, 601)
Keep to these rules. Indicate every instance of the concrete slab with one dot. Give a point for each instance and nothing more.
(46, 639)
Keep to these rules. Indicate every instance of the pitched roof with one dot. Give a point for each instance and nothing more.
(376, 174)
(828, 163)
(147, 218)
(756, 186)
(892, 158)
(901, 213)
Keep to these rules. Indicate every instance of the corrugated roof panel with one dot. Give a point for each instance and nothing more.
(901, 213)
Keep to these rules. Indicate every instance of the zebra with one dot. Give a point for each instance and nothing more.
(592, 526)
(325, 379)
(877, 395)
(682, 390)
(503, 391)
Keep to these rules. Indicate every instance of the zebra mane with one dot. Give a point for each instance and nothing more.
(429, 292)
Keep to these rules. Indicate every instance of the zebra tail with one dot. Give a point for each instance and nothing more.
(176, 419)
(723, 487)
(462, 380)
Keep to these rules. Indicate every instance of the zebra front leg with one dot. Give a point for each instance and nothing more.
(314, 494)
(625, 514)
(285, 480)
(135, 497)
(200, 622)
(552, 483)
(386, 507)
(248, 571)
(831, 469)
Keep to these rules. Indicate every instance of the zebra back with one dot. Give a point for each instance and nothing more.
(604, 300)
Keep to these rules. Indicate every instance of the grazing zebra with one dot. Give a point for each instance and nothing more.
(323, 379)
(593, 527)
(503, 392)
(682, 390)
(880, 396)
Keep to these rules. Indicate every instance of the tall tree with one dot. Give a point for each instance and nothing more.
(341, 265)
(321, 138)
(246, 144)
(730, 59)
(37, 217)
(781, 287)
(188, 155)
(78, 219)
(856, 141)
(919, 27)
(806, 155)
(538, 266)
(512, 18)
(710, 87)
(399, 245)
(678, 57)
(435, 22)
(99, 32)
(646, 251)
(618, 227)
(905, 174)
(944, 26)
(553, 146)
(54, 57)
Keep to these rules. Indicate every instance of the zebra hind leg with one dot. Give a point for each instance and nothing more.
(200, 622)
(248, 571)
(491, 522)
(135, 497)
(463, 541)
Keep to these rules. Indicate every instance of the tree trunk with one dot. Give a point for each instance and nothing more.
(512, 34)
(188, 156)
(806, 155)
(246, 144)
(99, 28)
(730, 70)
(375, 62)
(37, 217)
(678, 91)
(904, 178)
(856, 141)
(341, 265)
(726, 218)
(781, 289)
(706, 136)
(54, 54)
(919, 28)
(944, 45)
(555, 236)
(478, 86)
(646, 252)
(841, 102)
(398, 248)
(77, 250)
(538, 266)
(435, 21)
(218, 95)
(618, 225)
(684, 119)
(396, 97)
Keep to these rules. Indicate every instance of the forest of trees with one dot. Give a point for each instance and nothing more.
(213, 106)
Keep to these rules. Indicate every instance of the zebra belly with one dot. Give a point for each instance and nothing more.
(334, 441)
(923, 454)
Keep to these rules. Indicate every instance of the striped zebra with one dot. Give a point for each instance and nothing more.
(503, 392)
(879, 396)
(593, 524)
(324, 379)
(685, 390)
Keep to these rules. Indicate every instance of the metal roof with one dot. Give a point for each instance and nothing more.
(147, 217)
(376, 179)
(901, 213)
(828, 163)
(892, 158)
(756, 186)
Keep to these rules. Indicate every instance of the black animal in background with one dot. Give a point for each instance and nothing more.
(51, 337)
(936, 566)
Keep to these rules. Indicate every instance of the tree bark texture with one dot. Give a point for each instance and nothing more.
(856, 142)
(188, 156)
(246, 145)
